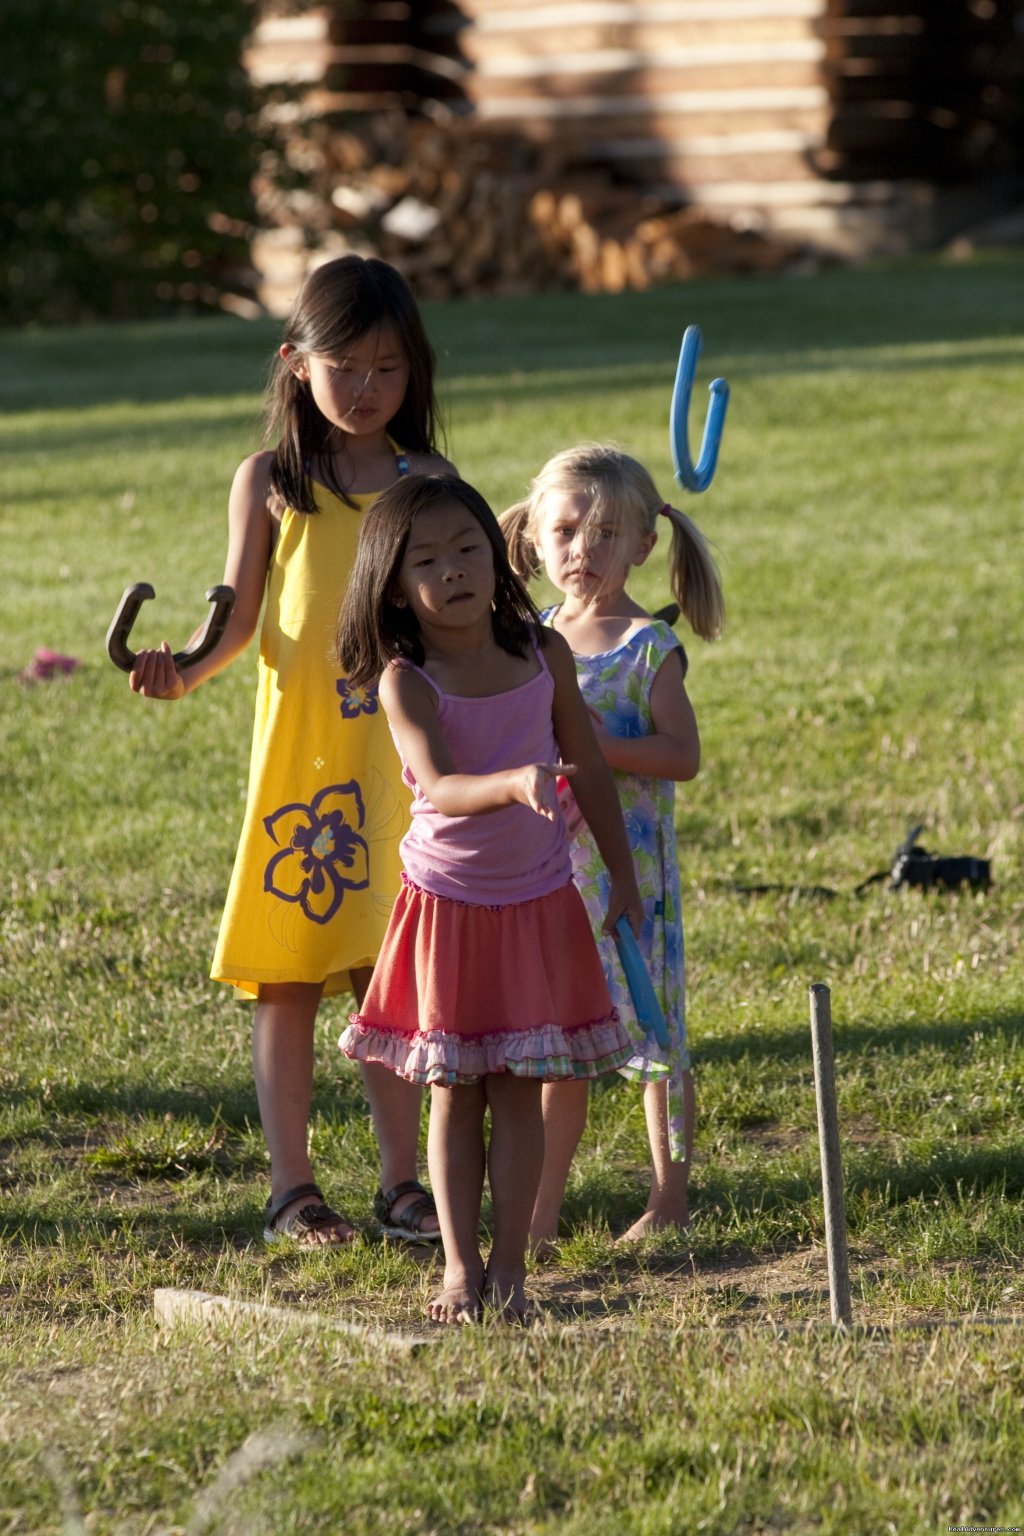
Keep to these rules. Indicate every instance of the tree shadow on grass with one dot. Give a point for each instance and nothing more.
(775, 1211)
(749, 324)
(159, 360)
(138, 1144)
(186, 429)
(887, 1181)
(861, 1039)
(152, 1226)
(964, 1173)
(231, 1106)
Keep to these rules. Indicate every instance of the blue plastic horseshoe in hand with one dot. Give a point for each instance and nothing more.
(223, 599)
(695, 477)
(641, 988)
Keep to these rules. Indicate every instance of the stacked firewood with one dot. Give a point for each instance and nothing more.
(511, 145)
(462, 209)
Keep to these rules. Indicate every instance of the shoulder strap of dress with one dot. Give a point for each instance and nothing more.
(402, 465)
(537, 641)
(405, 665)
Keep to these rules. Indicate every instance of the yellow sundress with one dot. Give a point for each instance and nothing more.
(317, 868)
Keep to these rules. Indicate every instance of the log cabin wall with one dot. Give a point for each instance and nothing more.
(926, 88)
(496, 144)
(697, 94)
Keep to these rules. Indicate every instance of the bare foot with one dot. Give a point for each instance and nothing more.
(650, 1223)
(504, 1292)
(460, 1302)
(543, 1250)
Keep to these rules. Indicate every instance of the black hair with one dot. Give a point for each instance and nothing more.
(338, 304)
(372, 629)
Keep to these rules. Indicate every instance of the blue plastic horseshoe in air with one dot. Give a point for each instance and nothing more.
(223, 599)
(695, 477)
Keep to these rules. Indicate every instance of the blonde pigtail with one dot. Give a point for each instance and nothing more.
(696, 583)
(514, 523)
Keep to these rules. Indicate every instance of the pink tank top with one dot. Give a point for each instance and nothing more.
(503, 856)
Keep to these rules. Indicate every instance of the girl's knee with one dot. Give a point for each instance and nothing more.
(287, 1006)
(294, 993)
(506, 1087)
(457, 1103)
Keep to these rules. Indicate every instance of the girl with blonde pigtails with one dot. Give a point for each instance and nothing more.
(592, 515)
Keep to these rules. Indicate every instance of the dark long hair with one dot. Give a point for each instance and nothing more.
(372, 629)
(337, 305)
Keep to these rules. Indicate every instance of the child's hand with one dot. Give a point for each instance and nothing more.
(571, 813)
(537, 787)
(155, 676)
(624, 898)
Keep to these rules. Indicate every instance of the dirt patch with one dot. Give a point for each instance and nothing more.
(691, 1291)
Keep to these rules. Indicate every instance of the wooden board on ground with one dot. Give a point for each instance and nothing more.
(172, 1306)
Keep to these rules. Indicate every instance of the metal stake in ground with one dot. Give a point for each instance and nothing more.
(831, 1164)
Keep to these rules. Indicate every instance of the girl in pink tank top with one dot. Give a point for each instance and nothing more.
(488, 983)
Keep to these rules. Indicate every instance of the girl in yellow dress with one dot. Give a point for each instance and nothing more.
(351, 406)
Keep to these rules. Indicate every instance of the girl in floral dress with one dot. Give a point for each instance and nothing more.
(591, 517)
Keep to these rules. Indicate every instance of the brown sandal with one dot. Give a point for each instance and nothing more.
(407, 1227)
(307, 1223)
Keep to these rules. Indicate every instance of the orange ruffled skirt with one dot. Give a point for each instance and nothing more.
(460, 990)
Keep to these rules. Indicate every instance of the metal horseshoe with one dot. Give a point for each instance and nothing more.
(695, 477)
(223, 599)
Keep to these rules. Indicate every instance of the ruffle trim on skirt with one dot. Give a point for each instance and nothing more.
(439, 1057)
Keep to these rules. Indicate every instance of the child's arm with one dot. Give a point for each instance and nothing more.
(250, 531)
(592, 784)
(412, 713)
(672, 750)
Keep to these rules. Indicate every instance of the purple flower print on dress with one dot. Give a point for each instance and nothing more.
(603, 884)
(642, 830)
(673, 947)
(322, 855)
(356, 701)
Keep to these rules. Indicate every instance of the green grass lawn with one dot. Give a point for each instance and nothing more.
(867, 516)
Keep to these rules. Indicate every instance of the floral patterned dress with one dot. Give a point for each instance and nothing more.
(617, 686)
(318, 868)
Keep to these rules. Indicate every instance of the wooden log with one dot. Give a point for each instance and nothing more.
(700, 106)
(172, 1307)
(679, 165)
(489, 50)
(514, 15)
(288, 49)
(614, 62)
(659, 79)
(360, 59)
(877, 193)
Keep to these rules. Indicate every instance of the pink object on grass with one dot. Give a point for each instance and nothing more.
(47, 664)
